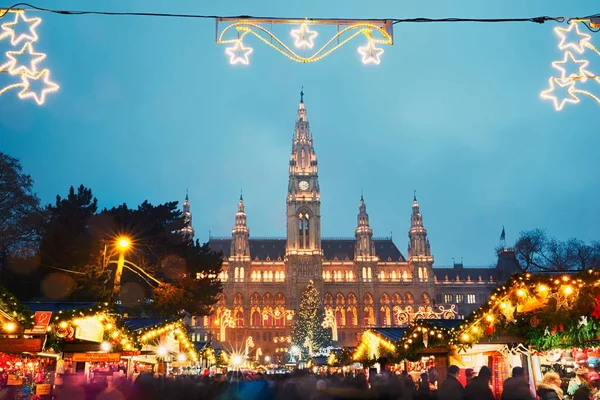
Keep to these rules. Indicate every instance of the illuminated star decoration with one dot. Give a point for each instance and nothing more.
(238, 53)
(582, 74)
(44, 76)
(509, 312)
(370, 54)
(9, 31)
(23, 60)
(583, 321)
(579, 45)
(570, 79)
(304, 37)
(561, 300)
(13, 65)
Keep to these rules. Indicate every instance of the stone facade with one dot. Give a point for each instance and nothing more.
(366, 281)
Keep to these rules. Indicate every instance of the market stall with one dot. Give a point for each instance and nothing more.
(554, 318)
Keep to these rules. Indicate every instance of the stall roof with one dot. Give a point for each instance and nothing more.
(56, 306)
(136, 324)
(392, 334)
(442, 323)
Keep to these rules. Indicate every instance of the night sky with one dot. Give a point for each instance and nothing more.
(151, 107)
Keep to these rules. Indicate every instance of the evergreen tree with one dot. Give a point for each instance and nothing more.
(307, 331)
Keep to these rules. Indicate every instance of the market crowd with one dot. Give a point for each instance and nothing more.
(303, 385)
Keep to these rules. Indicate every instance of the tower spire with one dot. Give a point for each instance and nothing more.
(302, 95)
(187, 231)
(240, 234)
(365, 248)
(419, 251)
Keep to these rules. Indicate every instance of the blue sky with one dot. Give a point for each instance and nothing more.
(150, 107)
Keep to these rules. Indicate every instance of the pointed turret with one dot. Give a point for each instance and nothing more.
(365, 248)
(419, 251)
(187, 231)
(240, 234)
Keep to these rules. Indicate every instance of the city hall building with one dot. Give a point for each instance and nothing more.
(365, 281)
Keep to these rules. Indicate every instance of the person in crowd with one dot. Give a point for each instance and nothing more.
(577, 382)
(583, 393)
(424, 391)
(470, 374)
(479, 388)
(516, 387)
(451, 388)
(549, 387)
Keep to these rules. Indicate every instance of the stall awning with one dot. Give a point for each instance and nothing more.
(391, 334)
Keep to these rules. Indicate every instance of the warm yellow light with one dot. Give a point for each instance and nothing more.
(475, 329)
(304, 37)
(49, 86)
(559, 104)
(63, 325)
(123, 243)
(14, 66)
(521, 292)
(565, 278)
(105, 346)
(503, 305)
(76, 321)
(9, 31)
(109, 326)
(181, 357)
(370, 53)
(568, 290)
(10, 327)
(542, 288)
(115, 334)
(489, 318)
(465, 337)
(238, 53)
(578, 46)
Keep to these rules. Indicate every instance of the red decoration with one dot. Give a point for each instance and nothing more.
(596, 312)
(556, 328)
(490, 329)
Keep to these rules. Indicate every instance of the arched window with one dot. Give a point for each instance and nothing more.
(328, 299)
(425, 298)
(280, 299)
(385, 317)
(255, 298)
(409, 298)
(420, 273)
(241, 274)
(394, 278)
(255, 320)
(368, 313)
(303, 231)
(425, 274)
(405, 276)
(339, 299)
(267, 316)
(364, 273)
(238, 299)
(267, 298)
(351, 276)
(239, 318)
(396, 298)
(369, 274)
(382, 276)
(236, 274)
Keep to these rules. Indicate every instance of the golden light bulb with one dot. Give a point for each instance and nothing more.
(568, 290)
(10, 327)
(465, 337)
(63, 325)
(542, 288)
(123, 243)
(489, 318)
(475, 329)
(521, 293)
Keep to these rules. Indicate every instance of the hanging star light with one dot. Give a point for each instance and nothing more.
(14, 67)
(582, 74)
(23, 61)
(559, 104)
(579, 44)
(378, 32)
(49, 87)
(9, 31)
(238, 53)
(304, 37)
(370, 53)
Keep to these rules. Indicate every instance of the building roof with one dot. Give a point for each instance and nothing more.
(333, 249)
(392, 334)
(463, 273)
(443, 323)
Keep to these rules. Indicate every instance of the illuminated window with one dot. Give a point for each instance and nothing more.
(448, 298)
(471, 299)
(460, 298)
(303, 231)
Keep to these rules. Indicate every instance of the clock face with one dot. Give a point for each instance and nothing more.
(303, 185)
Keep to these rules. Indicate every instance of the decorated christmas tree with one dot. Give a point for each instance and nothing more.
(308, 332)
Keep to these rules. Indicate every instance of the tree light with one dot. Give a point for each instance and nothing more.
(105, 346)
(123, 243)
(568, 290)
(267, 359)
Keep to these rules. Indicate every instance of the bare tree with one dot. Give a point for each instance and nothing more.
(535, 251)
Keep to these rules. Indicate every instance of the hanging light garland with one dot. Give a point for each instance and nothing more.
(573, 43)
(22, 61)
(177, 329)
(547, 310)
(236, 31)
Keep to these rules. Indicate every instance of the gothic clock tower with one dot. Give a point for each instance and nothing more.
(303, 248)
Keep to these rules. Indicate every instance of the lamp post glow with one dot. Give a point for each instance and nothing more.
(123, 243)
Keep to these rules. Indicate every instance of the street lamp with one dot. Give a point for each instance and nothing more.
(123, 244)
(267, 359)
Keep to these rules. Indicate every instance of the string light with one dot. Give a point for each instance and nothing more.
(28, 72)
(9, 31)
(352, 29)
(301, 34)
(579, 45)
(559, 104)
(14, 67)
(238, 53)
(370, 53)
(49, 87)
